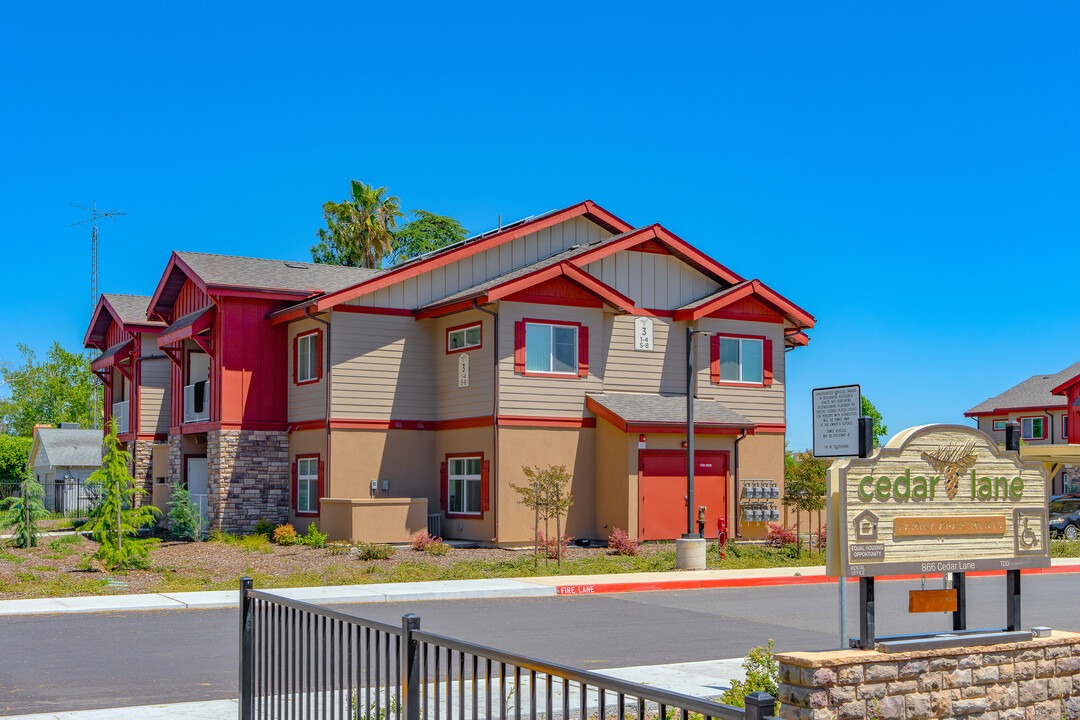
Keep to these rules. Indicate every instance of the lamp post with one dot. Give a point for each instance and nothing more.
(691, 385)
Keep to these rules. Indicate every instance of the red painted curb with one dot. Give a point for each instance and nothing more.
(598, 588)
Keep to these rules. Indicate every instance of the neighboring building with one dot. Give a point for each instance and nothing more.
(61, 459)
(1046, 406)
(136, 378)
(375, 402)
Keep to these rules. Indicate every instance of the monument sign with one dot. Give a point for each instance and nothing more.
(936, 499)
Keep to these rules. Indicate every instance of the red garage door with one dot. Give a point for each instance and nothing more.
(662, 492)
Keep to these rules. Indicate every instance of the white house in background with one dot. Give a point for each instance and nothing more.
(61, 459)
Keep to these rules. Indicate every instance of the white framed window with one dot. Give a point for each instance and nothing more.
(463, 338)
(464, 491)
(551, 349)
(1032, 428)
(999, 424)
(307, 358)
(741, 360)
(307, 485)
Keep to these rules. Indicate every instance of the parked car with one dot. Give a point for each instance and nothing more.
(1065, 517)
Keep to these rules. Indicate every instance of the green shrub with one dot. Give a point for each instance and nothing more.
(23, 514)
(372, 551)
(314, 538)
(438, 548)
(248, 543)
(762, 673)
(185, 521)
(339, 548)
(263, 527)
(286, 535)
(14, 458)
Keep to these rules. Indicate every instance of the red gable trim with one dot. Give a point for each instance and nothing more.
(587, 209)
(1063, 387)
(91, 340)
(1006, 410)
(175, 265)
(798, 339)
(753, 288)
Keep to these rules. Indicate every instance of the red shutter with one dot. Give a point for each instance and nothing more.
(485, 492)
(583, 351)
(519, 347)
(318, 363)
(444, 486)
(295, 358)
(295, 491)
(768, 362)
(714, 358)
(318, 502)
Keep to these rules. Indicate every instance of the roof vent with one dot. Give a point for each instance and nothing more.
(296, 266)
(69, 426)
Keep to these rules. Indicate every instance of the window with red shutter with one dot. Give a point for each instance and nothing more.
(519, 347)
(485, 491)
(768, 361)
(444, 487)
(583, 351)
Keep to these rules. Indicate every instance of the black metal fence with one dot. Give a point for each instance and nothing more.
(300, 661)
(64, 497)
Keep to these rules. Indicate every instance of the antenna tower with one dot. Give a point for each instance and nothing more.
(95, 215)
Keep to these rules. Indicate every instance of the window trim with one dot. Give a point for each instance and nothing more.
(318, 357)
(1065, 426)
(766, 361)
(296, 484)
(1004, 424)
(1041, 418)
(581, 335)
(484, 486)
(466, 326)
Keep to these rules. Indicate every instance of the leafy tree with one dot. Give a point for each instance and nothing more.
(427, 233)
(359, 231)
(185, 520)
(547, 494)
(24, 513)
(881, 430)
(14, 459)
(762, 674)
(59, 389)
(115, 520)
(804, 486)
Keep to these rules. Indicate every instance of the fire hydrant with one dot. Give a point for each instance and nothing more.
(721, 534)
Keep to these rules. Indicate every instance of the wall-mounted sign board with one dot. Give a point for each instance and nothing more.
(643, 333)
(836, 421)
(935, 499)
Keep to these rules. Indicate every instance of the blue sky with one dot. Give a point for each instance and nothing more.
(905, 172)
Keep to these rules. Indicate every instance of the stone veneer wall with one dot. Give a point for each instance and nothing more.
(1035, 680)
(176, 459)
(249, 478)
(142, 469)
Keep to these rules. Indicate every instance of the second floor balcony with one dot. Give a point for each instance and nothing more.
(197, 402)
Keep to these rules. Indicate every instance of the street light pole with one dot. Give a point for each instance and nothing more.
(691, 384)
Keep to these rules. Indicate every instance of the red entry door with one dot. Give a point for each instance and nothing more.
(662, 492)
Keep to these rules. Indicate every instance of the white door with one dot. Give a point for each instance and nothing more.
(198, 481)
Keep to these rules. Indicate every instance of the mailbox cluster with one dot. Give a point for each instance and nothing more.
(751, 497)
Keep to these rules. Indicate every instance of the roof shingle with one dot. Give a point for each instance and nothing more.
(1033, 392)
(267, 274)
(639, 408)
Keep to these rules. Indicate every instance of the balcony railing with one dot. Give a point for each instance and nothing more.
(120, 414)
(197, 402)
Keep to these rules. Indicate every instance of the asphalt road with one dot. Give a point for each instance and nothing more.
(52, 663)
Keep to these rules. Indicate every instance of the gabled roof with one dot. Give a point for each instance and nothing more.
(633, 411)
(233, 275)
(746, 289)
(1035, 393)
(127, 310)
(1066, 384)
(68, 448)
(452, 253)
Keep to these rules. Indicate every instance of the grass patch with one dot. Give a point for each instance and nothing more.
(62, 585)
(248, 543)
(65, 540)
(43, 568)
(1065, 548)
(10, 557)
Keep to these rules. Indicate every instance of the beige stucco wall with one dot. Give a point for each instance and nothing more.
(383, 520)
(573, 447)
(404, 457)
(616, 481)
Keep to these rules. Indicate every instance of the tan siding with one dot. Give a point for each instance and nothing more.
(541, 396)
(154, 395)
(478, 268)
(473, 401)
(306, 402)
(660, 370)
(381, 367)
(652, 280)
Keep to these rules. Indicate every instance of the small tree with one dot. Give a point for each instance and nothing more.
(24, 512)
(549, 496)
(115, 521)
(804, 486)
(185, 520)
(880, 429)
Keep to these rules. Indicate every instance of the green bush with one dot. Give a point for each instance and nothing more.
(263, 527)
(439, 548)
(762, 673)
(23, 514)
(372, 551)
(185, 521)
(314, 538)
(14, 458)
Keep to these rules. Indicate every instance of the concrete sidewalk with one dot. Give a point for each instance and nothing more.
(461, 589)
(706, 679)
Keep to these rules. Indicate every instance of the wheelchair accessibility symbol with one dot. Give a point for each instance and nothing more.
(1029, 531)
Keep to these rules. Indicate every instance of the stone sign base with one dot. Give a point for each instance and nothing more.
(1034, 680)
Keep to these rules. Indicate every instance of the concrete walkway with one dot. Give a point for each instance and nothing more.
(706, 679)
(460, 589)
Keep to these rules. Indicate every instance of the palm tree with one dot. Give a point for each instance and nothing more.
(359, 231)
